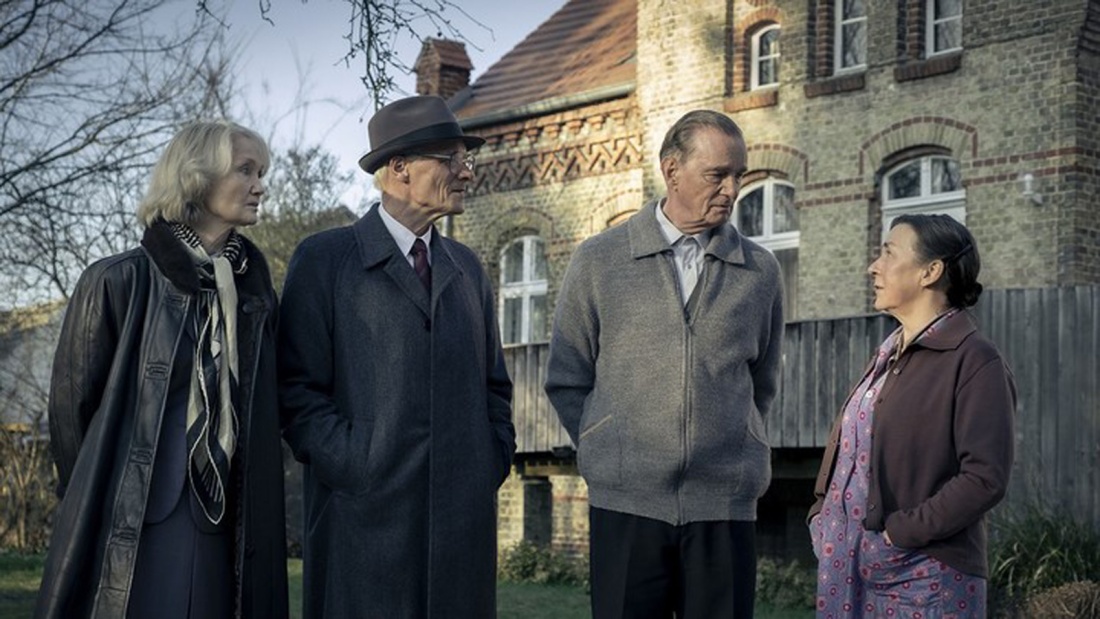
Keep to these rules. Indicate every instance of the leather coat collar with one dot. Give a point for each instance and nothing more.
(173, 261)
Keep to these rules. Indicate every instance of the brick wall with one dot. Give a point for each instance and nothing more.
(1023, 97)
(549, 511)
(563, 175)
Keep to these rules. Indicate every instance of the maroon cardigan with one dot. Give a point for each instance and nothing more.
(942, 446)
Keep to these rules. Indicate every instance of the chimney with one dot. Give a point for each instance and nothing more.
(443, 68)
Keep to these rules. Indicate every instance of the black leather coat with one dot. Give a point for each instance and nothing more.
(107, 395)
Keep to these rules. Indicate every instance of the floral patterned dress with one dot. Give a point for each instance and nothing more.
(859, 573)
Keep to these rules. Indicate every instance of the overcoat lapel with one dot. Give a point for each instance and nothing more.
(444, 268)
(377, 247)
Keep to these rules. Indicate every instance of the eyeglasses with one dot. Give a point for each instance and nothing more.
(457, 160)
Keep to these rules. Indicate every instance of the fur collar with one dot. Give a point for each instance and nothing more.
(172, 259)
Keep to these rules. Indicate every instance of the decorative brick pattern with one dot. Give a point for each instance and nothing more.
(958, 137)
(792, 163)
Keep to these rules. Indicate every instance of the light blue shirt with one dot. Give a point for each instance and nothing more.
(403, 236)
(687, 252)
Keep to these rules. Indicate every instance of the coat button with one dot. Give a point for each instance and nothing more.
(871, 507)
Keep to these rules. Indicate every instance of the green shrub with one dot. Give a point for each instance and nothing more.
(1076, 600)
(785, 585)
(1037, 549)
(529, 563)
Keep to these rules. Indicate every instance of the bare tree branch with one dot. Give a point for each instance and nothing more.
(374, 28)
(89, 93)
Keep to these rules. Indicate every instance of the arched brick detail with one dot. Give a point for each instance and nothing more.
(792, 162)
(958, 137)
(518, 220)
(742, 42)
(622, 202)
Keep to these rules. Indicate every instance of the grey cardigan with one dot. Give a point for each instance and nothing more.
(666, 405)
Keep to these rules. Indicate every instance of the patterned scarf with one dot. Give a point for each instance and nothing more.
(211, 418)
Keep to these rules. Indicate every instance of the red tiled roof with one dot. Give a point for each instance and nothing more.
(585, 46)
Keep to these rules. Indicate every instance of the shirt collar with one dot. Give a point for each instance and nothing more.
(402, 235)
(672, 233)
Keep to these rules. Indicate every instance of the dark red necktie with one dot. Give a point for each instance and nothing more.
(420, 263)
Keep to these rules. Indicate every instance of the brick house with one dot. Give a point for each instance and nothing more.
(854, 112)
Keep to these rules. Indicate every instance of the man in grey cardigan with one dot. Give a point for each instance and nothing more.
(663, 362)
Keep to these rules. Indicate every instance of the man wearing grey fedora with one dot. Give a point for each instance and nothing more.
(393, 389)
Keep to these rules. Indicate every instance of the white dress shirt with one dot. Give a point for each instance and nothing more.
(687, 252)
(403, 236)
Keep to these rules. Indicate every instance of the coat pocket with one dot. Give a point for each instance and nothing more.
(351, 475)
(599, 455)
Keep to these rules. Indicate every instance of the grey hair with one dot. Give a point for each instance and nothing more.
(678, 141)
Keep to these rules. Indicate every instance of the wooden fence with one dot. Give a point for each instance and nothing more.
(1050, 336)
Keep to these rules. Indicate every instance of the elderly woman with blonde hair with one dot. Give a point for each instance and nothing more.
(163, 415)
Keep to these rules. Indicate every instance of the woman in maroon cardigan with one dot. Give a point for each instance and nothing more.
(922, 448)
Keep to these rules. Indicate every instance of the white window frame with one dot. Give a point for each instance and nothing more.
(931, 21)
(951, 203)
(758, 58)
(838, 38)
(769, 238)
(526, 289)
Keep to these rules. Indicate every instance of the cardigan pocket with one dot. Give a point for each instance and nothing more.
(599, 455)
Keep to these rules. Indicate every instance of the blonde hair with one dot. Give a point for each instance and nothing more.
(197, 157)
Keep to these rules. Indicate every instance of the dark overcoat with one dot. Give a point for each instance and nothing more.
(399, 405)
(107, 396)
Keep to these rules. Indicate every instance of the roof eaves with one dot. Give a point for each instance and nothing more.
(545, 106)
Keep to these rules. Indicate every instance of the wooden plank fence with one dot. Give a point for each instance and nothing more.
(1050, 336)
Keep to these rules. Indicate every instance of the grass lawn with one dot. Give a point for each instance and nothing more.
(20, 575)
(19, 578)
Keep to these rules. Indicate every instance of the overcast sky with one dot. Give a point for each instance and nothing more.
(305, 47)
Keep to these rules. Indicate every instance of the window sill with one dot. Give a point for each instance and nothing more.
(752, 100)
(834, 85)
(920, 69)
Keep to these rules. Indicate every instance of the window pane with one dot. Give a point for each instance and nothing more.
(769, 43)
(854, 45)
(949, 35)
(513, 263)
(513, 321)
(853, 8)
(538, 319)
(945, 176)
(539, 259)
(750, 216)
(767, 72)
(948, 8)
(786, 215)
(905, 183)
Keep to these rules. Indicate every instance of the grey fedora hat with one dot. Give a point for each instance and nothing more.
(409, 123)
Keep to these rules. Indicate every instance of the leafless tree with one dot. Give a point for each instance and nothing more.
(303, 197)
(374, 28)
(27, 339)
(89, 92)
